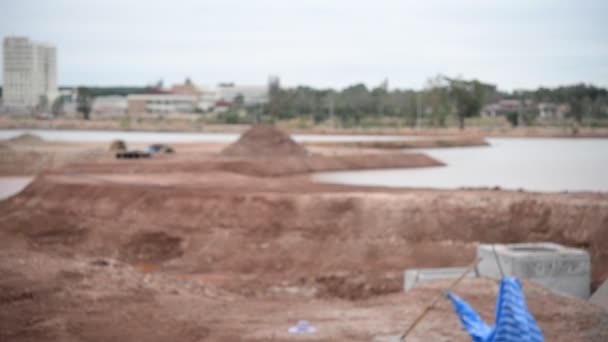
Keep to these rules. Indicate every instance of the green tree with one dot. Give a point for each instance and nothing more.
(468, 97)
(355, 102)
(57, 106)
(239, 102)
(43, 103)
(379, 99)
(274, 97)
(438, 99)
(84, 102)
(585, 100)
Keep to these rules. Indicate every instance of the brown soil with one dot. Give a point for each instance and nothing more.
(23, 159)
(261, 167)
(405, 144)
(225, 257)
(264, 141)
(196, 247)
(27, 139)
(117, 145)
(49, 298)
(28, 155)
(23, 162)
(30, 159)
(152, 247)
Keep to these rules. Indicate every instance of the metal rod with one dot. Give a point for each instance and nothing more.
(502, 273)
(439, 296)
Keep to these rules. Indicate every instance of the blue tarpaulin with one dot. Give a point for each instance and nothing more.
(513, 321)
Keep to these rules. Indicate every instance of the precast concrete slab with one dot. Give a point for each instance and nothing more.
(600, 296)
(425, 275)
(562, 269)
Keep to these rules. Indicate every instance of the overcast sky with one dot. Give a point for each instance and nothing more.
(511, 43)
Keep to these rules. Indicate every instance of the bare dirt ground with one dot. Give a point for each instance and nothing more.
(49, 298)
(25, 157)
(226, 257)
(167, 249)
(427, 142)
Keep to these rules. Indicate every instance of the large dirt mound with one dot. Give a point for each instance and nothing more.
(27, 139)
(264, 141)
(118, 145)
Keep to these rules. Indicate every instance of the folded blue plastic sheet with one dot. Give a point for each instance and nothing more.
(514, 323)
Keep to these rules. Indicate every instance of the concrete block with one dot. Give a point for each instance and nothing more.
(425, 275)
(562, 269)
(600, 296)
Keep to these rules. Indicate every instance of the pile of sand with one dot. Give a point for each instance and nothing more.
(265, 141)
(118, 145)
(27, 139)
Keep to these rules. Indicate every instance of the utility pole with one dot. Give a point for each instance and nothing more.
(419, 109)
(331, 112)
(520, 115)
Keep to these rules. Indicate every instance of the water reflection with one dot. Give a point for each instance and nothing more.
(548, 165)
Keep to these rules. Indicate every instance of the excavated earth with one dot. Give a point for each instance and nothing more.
(221, 256)
(240, 246)
(265, 141)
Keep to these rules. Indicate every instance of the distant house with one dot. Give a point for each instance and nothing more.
(252, 94)
(219, 98)
(186, 89)
(160, 104)
(549, 110)
(501, 108)
(208, 98)
(109, 105)
(222, 106)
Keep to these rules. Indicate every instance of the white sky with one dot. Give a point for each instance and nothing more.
(512, 43)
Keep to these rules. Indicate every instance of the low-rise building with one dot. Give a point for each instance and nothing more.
(208, 98)
(502, 107)
(109, 105)
(186, 89)
(252, 94)
(549, 110)
(160, 104)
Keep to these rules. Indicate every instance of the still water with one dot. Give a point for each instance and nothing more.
(533, 164)
(10, 186)
(547, 165)
(167, 137)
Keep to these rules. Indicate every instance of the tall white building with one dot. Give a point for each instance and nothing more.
(30, 72)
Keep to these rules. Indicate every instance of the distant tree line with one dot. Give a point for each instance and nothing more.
(585, 101)
(117, 91)
(442, 99)
(85, 96)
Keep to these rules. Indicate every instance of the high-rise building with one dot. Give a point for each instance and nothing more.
(30, 72)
